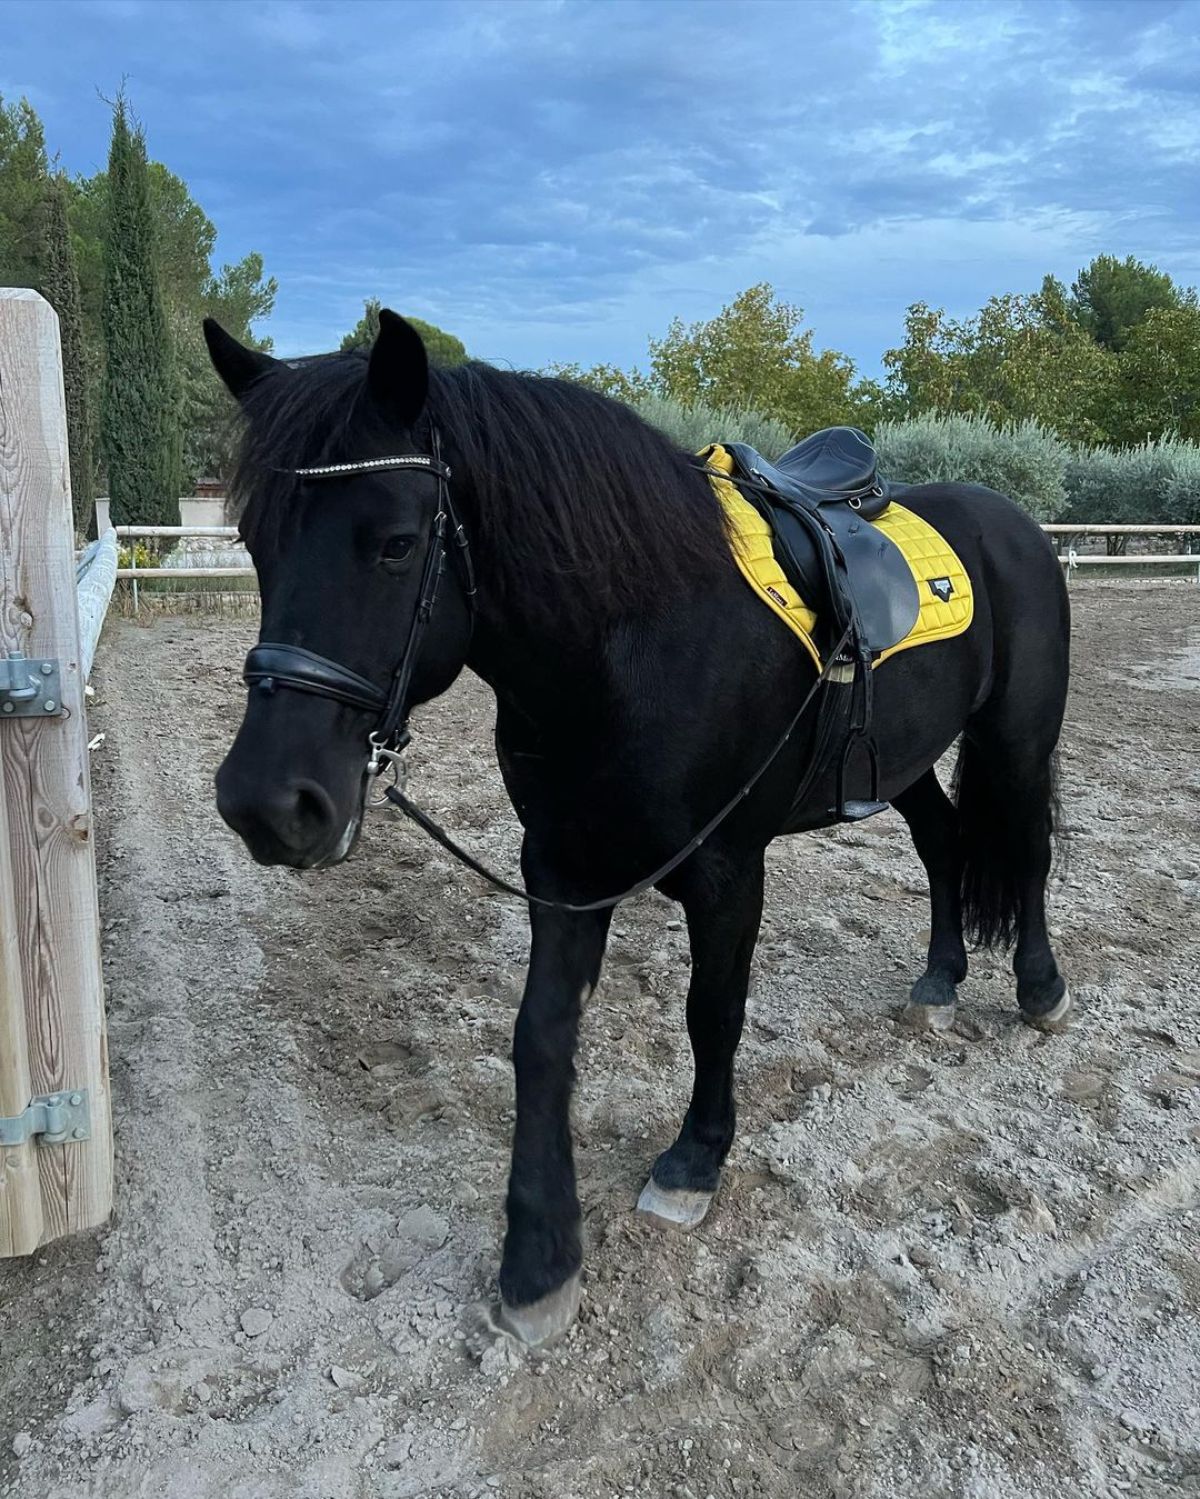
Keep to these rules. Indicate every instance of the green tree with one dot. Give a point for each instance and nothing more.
(1157, 394)
(1110, 297)
(140, 412)
(1022, 358)
(59, 283)
(606, 379)
(237, 296)
(756, 354)
(23, 177)
(442, 347)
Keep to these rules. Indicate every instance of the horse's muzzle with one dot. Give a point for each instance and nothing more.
(294, 823)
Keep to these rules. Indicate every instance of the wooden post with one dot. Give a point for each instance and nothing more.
(20, 1193)
(51, 989)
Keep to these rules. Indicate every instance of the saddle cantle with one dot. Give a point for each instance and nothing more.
(837, 465)
(820, 499)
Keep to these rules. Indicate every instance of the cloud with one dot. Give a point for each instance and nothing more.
(556, 180)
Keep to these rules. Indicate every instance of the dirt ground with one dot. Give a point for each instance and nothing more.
(939, 1266)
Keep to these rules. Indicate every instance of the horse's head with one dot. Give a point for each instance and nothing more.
(349, 518)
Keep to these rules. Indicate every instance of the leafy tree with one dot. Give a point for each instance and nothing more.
(442, 347)
(1158, 390)
(59, 282)
(23, 176)
(1022, 358)
(756, 354)
(1110, 297)
(140, 413)
(606, 379)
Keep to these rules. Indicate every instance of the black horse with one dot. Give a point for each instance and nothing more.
(639, 683)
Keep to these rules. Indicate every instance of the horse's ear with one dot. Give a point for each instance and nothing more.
(398, 373)
(237, 365)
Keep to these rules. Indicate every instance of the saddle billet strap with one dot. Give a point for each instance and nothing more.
(439, 834)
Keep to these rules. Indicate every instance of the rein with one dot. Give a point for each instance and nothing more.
(271, 665)
(439, 835)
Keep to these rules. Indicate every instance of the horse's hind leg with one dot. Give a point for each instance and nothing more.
(723, 904)
(1006, 805)
(933, 823)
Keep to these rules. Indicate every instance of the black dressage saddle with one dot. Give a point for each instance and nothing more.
(820, 499)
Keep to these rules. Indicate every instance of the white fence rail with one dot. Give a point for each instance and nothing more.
(95, 577)
(1071, 559)
(1076, 530)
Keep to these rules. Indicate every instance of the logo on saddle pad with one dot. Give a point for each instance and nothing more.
(941, 588)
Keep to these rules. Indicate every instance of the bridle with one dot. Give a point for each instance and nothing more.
(271, 665)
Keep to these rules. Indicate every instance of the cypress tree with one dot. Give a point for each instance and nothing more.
(60, 287)
(140, 409)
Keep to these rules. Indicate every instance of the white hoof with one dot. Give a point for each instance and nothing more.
(1054, 1021)
(929, 1017)
(541, 1321)
(678, 1209)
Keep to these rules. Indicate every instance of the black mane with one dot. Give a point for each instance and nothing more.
(580, 509)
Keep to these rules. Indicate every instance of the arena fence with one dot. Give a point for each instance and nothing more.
(1072, 558)
(1178, 561)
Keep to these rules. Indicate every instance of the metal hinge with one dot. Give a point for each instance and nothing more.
(28, 689)
(50, 1119)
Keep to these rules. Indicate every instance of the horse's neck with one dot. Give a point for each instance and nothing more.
(549, 684)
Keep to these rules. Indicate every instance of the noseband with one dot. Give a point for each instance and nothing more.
(271, 665)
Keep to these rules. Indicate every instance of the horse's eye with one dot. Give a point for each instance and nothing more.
(398, 549)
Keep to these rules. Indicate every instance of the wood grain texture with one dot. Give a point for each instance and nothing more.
(44, 768)
(20, 1191)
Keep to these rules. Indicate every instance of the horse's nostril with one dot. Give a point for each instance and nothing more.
(291, 823)
(313, 809)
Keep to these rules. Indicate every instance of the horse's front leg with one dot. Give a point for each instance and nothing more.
(539, 1274)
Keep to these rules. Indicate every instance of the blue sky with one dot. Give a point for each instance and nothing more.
(554, 179)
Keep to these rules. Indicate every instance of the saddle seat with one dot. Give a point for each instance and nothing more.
(835, 466)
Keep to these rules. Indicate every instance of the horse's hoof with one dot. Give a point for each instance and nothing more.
(542, 1321)
(1054, 1021)
(673, 1209)
(929, 1017)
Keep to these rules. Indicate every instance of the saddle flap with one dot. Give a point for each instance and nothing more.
(873, 574)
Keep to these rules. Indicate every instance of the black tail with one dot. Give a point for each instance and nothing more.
(1004, 825)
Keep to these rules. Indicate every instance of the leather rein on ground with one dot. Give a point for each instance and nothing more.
(271, 665)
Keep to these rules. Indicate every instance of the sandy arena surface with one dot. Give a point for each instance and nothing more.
(939, 1266)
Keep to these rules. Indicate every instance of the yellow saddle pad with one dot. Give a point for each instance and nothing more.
(947, 604)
